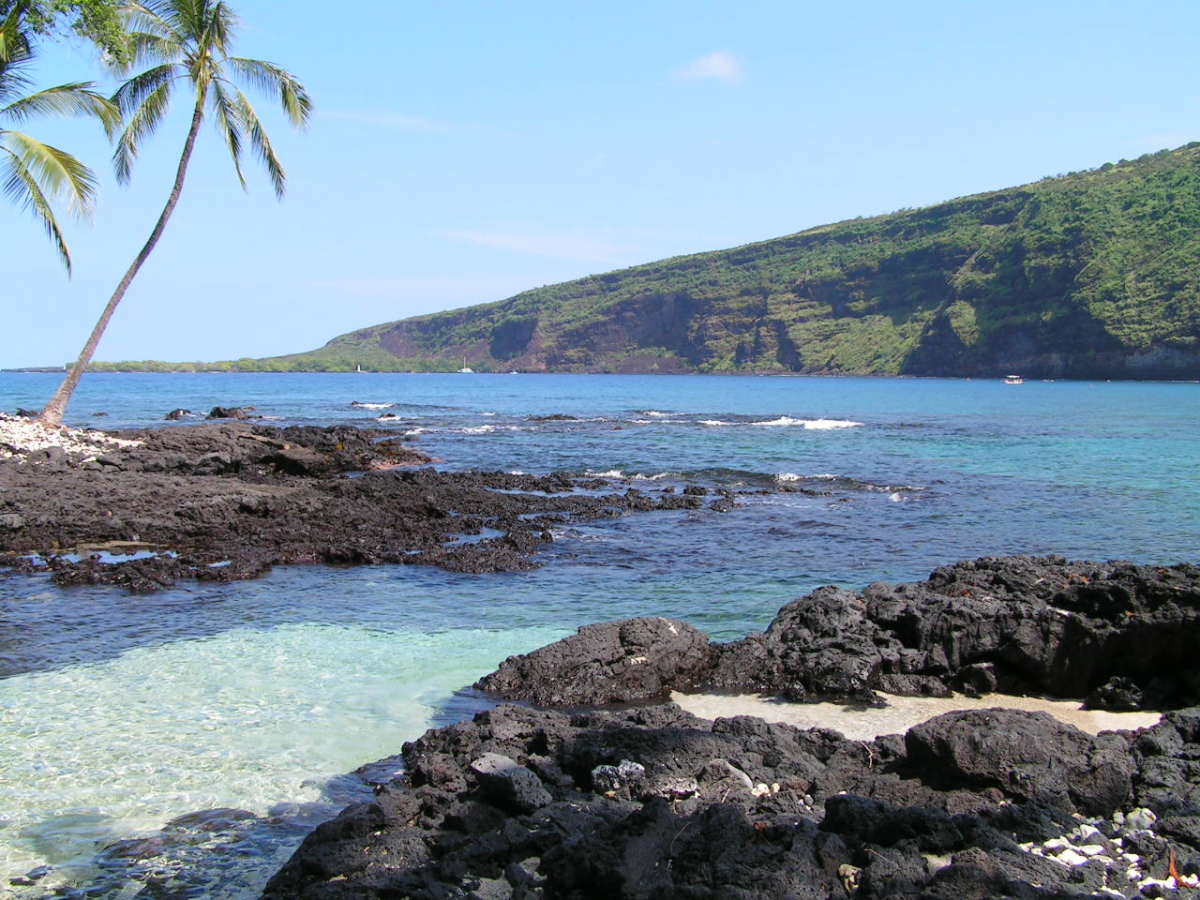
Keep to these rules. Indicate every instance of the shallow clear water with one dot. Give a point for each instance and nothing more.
(118, 712)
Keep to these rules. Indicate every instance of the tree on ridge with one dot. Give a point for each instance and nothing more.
(33, 174)
(188, 41)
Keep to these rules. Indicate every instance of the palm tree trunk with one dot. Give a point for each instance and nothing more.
(57, 407)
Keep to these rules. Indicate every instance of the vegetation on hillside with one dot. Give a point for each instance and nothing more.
(1091, 274)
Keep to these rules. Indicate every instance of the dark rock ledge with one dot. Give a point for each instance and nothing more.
(651, 802)
(219, 502)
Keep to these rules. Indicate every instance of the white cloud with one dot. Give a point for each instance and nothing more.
(585, 248)
(721, 66)
(384, 119)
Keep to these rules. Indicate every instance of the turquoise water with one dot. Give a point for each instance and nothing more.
(118, 713)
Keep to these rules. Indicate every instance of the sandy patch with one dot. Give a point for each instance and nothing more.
(901, 713)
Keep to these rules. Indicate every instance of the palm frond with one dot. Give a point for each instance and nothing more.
(155, 17)
(13, 81)
(15, 56)
(59, 173)
(66, 100)
(190, 16)
(227, 117)
(148, 47)
(133, 92)
(211, 37)
(14, 39)
(142, 123)
(271, 79)
(261, 143)
(222, 27)
(10, 39)
(20, 184)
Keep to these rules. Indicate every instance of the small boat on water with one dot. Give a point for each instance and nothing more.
(1013, 379)
(466, 370)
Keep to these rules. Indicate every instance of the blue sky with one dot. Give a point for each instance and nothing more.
(462, 152)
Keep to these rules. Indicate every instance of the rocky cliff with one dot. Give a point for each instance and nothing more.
(1093, 274)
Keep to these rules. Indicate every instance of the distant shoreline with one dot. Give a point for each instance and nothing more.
(46, 370)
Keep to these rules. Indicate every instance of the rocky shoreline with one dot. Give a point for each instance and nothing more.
(594, 785)
(228, 500)
(1119, 635)
(650, 801)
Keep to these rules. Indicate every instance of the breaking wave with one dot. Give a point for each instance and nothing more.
(810, 424)
(634, 476)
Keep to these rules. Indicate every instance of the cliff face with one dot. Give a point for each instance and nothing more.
(1093, 274)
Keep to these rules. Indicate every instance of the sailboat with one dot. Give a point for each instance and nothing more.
(466, 370)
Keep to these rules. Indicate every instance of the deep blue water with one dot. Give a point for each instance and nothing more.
(261, 686)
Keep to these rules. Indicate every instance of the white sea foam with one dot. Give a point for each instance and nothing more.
(830, 424)
(488, 429)
(810, 424)
(714, 422)
(635, 476)
(820, 476)
(656, 414)
(362, 405)
(413, 432)
(896, 497)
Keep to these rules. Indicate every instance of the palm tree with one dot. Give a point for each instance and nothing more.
(187, 41)
(32, 173)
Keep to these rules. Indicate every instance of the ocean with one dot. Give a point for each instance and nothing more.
(119, 713)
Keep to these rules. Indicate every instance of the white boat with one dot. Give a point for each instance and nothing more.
(1013, 379)
(466, 370)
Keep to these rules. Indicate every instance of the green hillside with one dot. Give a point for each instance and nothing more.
(1092, 274)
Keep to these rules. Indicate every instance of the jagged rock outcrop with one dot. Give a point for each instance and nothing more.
(654, 802)
(1118, 634)
(619, 662)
